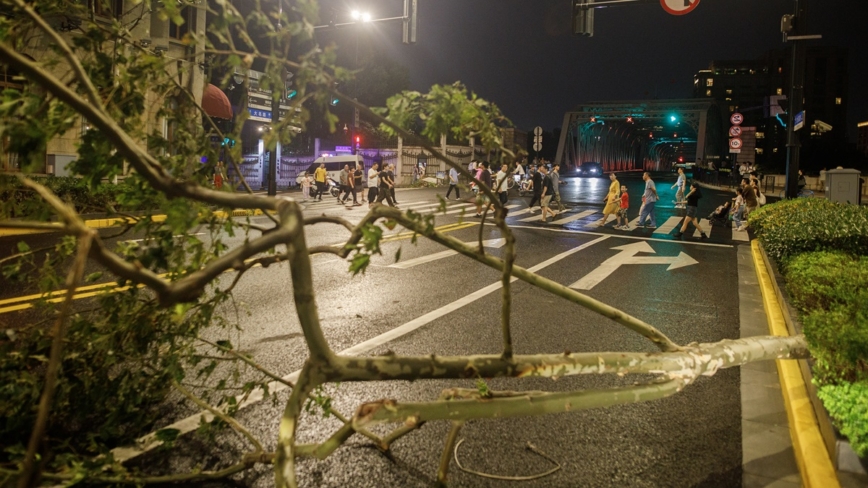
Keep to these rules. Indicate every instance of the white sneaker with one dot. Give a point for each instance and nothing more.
(740, 229)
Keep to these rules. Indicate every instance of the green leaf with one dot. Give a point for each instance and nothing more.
(360, 263)
(167, 435)
(23, 247)
(398, 254)
(93, 277)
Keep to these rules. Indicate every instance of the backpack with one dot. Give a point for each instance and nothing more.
(760, 198)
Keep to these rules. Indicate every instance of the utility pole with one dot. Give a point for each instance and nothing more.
(794, 30)
(276, 95)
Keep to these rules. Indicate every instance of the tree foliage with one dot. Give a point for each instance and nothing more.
(81, 380)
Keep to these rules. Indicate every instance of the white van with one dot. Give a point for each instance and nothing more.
(334, 165)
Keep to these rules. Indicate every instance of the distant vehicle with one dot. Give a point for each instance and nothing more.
(333, 164)
(590, 168)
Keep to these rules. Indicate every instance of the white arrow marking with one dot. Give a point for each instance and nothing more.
(493, 243)
(628, 256)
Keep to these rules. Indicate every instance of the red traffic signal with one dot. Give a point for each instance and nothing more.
(629, 119)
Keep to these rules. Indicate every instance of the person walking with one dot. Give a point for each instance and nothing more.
(649, 199)
(359, 181)
(692, 200)
(343, 179)
(391, 171)
(738, 210)
(319, 176)
(555, 175)
(386, 184)
(373, 184)
(536, 186)
(622, 212)
(305, 186)
(500, 184)
(453, 184)
(679, 193)
(546, 194)
(350, 186)
(750, 200)
(481, 198)
(612, 201)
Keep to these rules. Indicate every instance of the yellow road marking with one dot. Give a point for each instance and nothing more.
(88, 291)
(811, 454)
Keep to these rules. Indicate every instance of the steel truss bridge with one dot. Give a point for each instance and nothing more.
(646, 134)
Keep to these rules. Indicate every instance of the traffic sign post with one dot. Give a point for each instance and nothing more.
(537, 140)
(679, 7)
(734, 131)
(736, 118)
(736, 143)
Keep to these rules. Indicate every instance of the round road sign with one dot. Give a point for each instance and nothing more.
(735, 143)
(734, 131)
(736, 118)
(679, 7)
(537, 147)
(537, 131)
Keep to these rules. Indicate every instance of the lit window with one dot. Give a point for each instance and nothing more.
(760, 135)
(709, 82)
(707, 93)
(780, 70)
(775, 150)
(838, 101)
(729, 91)
(728, 99)
(779, 91)
(732, 108)
(759, 150)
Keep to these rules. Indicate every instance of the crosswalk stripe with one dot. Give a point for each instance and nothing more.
(577, 216)
(698, 234)
(520, 212)
(670, 224)
(741, 236)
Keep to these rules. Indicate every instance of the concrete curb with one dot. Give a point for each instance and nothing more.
(812, 457)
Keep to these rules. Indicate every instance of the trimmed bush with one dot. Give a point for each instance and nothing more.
(20, 201)
(848, 405)
(803, 225)
(817, 280)
(838, 340)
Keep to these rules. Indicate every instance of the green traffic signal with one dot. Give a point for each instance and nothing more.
(290, 94)
(334, 101)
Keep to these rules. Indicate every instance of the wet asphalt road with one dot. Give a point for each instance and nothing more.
(691, 439)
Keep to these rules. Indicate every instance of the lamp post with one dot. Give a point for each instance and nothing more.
(797, 81)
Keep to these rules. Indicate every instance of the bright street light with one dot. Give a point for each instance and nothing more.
(355, 14)
(363, 16)
(366, 17)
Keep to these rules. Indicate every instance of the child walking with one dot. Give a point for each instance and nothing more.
(622, 212)
(305, 186)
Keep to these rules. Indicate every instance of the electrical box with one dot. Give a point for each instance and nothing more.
(842, 185)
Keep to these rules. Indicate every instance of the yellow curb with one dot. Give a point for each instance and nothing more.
(811, 455)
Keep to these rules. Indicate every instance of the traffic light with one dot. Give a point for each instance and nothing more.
(673, 119)
(583, 18)
(334, 101)
(358, 141)
(290, 93)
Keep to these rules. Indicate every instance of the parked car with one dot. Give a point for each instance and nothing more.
(333, 164)
(590, 168)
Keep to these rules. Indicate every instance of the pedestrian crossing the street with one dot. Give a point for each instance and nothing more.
(574, 219)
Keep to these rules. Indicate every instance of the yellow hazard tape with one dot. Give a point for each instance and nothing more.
(811, 455)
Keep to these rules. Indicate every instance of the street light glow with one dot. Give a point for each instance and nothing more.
(355, 14)
(366, 17)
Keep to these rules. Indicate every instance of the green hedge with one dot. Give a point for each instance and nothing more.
(848, 404)
(817, 280)
(801, 225)
(127, 196)
(838, 340)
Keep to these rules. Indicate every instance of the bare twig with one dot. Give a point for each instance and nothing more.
(28, 466)
(443, 469)
(221, 415)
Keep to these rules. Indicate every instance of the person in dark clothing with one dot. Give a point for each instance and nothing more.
(357, 181)
(537, 181)
(692, 200)
(350, 187)
(385, 192)
(482, 198)
(392, 180)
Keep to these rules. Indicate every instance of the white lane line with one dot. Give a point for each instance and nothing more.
(619, 236)
(495, 243)
(670, 224)
(191, 423)
(577, 216)
(451, 307)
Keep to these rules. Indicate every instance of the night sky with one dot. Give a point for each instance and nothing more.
(521, 54)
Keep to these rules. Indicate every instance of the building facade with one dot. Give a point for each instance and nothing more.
(757, 88)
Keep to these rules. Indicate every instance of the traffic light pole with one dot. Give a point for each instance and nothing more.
(797, 82)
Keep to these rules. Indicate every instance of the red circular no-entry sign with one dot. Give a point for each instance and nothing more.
(679, 7)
